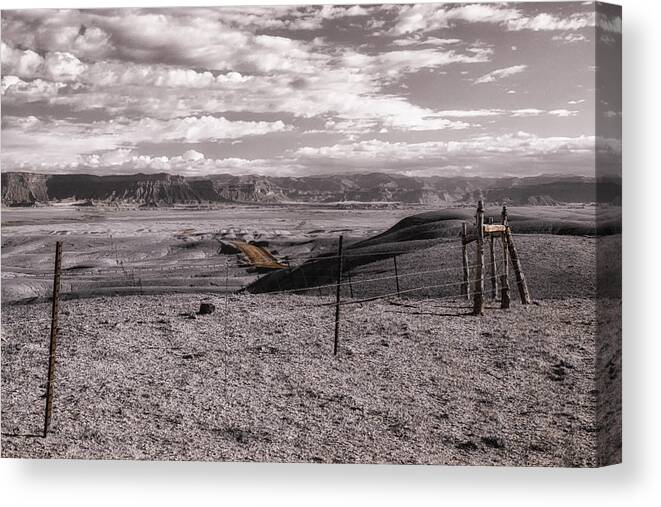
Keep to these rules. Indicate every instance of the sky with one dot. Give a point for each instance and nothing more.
(496, 89)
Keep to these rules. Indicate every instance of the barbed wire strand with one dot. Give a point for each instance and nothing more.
(390, 294)
(131, 270)
(358, 281)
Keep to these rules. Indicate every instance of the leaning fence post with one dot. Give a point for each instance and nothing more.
(54, 327)
(478, 294)
(465, 291)
(492, 263)
(516, 264)
(337, 296)
(504, 277)
(394, 259)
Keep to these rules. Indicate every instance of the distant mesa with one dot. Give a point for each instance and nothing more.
(163, 190)
(24, 189)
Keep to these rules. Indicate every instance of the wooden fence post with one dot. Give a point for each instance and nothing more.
(478, 294)
(465, 291)
(305, 278)
(504, 277)
(492, 262)
(54, 328)
(394, 258)
(350, 283)
(337, 297)
(289, 272)
(516, 264)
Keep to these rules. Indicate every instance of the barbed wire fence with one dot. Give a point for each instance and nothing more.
(347, 278)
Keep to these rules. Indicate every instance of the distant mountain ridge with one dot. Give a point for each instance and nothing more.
(148, 190)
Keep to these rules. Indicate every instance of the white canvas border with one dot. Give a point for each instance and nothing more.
(24, 482)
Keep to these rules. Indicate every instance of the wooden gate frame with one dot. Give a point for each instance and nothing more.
(492, 231)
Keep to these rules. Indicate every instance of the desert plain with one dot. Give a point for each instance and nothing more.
(417, 379)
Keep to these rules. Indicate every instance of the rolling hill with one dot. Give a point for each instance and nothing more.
(431, 238)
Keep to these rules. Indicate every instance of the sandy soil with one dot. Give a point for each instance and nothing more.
(276, 221)
(138, 378)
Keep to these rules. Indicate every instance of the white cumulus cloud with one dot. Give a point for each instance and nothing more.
(500, 74)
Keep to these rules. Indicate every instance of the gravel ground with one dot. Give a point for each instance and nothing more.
(415, 381)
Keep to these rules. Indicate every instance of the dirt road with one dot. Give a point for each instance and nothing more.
(258, 257)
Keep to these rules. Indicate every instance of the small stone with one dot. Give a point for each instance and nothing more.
(467, 446)
(206, 308)
(538, 447)
(494, 441)
(193, 355)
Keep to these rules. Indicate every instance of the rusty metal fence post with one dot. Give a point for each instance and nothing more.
(54, 328)
(337, 297)
(394, 259)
